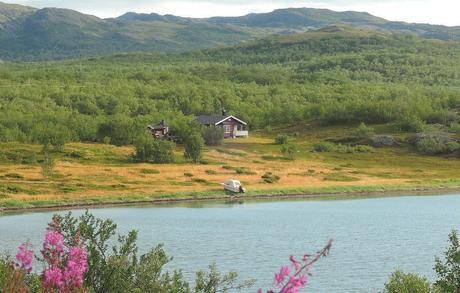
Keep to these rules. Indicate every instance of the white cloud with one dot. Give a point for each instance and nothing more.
(425, 11)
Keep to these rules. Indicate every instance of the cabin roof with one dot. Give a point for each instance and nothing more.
(162, 124)
(210, 119)
(216, 119)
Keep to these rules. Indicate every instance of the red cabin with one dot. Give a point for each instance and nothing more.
(233, 126)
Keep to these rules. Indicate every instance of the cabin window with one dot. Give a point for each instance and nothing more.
(227, 128)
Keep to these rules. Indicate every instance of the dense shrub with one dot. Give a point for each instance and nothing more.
(354, 149)
(153, 150)
(400, 282)
(410, 124)
(289, 151)
(194, 147)
(455, 128)
(52, 135)
(48, 164)
(119, 130)
(448, 268)
(341, 148)
(364, 131)
(213, 135)
(282, 139)
(433, 146)
(269, 177)
(244, 171)
(444, 117)
(323, 147)
(86, 254)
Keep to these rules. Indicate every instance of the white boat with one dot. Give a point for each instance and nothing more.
(234, 186)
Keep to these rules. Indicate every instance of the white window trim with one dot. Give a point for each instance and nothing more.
(226, 118)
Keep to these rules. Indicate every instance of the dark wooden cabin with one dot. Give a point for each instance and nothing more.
(160, 131)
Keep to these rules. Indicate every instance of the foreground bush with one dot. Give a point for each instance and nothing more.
(448, 268)
(407, 283)
(85, 254)
(447, 271)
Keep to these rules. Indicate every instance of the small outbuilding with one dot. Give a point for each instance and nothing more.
(160, 130)
(233, 126)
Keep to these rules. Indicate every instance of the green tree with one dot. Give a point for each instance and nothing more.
(411, 124)
(115, 266)
(119, 128)
(194, 145)
(48, 163)
(448, 269)
(54, 135)
(148, 149)
(213, 135)
(401, 282)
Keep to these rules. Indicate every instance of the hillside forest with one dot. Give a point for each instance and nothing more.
(333, 76)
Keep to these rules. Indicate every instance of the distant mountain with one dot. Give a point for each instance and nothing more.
(28, 33)
(301, 18)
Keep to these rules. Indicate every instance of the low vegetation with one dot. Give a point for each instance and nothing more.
(447, 270)
(76, 258)
(269, 177)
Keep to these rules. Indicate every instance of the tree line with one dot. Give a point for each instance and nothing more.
(333, 79)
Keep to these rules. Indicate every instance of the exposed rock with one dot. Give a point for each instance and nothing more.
(383, 140)
(438, 136)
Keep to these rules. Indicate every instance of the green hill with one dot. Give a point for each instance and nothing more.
(335, 75)
(35, 34)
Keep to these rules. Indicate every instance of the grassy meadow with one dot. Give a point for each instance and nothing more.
(93, 173)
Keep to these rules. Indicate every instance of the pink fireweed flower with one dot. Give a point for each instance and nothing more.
(54, 241)
(283, 273)
(295, 284)
(53, 278)
(24, 257)
(77, 266)
(294, 262)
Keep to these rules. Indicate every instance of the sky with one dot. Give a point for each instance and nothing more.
(446, 12)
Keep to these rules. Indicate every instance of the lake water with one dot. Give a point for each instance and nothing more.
(372, 237)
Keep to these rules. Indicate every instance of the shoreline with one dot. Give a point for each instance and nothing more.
(321, 195)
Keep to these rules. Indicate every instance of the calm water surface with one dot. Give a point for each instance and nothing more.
(372, 237)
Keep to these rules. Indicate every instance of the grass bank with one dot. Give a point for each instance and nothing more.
(98, 174)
